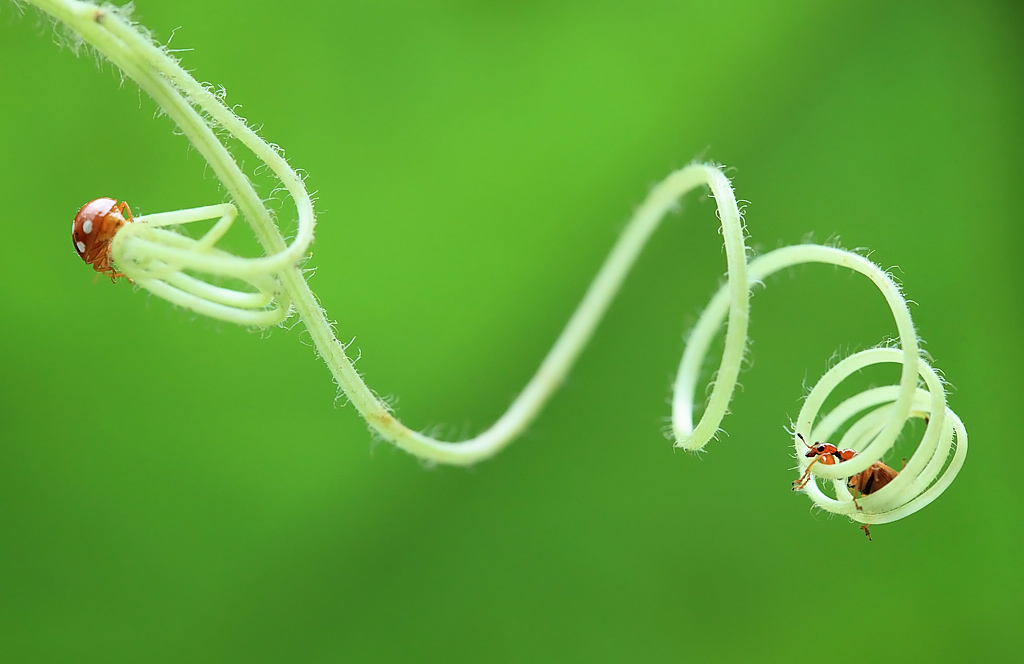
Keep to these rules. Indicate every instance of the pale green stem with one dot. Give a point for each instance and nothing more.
(177, 93)
(156, 258)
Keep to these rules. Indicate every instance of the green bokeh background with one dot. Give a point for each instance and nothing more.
(178, 489)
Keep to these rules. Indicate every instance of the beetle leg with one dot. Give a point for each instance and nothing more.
(806, 477)
(106, 268)
(125, 211)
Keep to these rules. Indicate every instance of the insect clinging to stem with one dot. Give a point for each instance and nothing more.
(93, 230)
(864, 483)
(826, 453)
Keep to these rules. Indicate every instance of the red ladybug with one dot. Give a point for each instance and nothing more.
(94, 228)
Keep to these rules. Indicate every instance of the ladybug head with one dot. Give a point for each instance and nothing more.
(90, 227)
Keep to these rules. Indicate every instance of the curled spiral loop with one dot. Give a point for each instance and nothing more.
(875, 416)
(928, 472)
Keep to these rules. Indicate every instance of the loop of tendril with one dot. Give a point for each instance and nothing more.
(942, 450)
(931, 467)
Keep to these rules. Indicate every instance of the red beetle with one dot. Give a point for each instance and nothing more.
(864, 483)
(93, 230)
(826, 453)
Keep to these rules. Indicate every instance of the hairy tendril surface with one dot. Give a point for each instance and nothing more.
(178, 268)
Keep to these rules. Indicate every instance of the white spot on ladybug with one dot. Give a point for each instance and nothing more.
(81, 247)
(87, 226)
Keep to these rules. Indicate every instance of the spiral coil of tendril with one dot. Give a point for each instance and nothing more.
(158, 259)
(874, 418)
(871, 414)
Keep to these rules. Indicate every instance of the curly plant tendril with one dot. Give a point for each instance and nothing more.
(182, 270)
(884, 410)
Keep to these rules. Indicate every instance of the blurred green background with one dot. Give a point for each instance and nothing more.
(176, 489)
